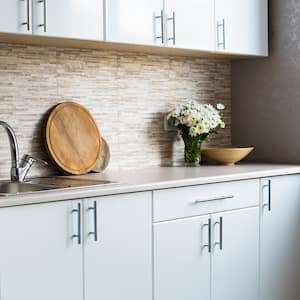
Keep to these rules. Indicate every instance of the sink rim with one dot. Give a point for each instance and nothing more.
(48, 187)
(35, 188)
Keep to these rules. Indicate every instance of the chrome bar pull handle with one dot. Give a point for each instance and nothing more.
(208, 246)
(220, 243)
(173, 38)
(199, 201)
(269, 203)
(219, 43)
(78, 234)
(223, 42)
(27, 23)
(45, 15)
(161, 18)
(224, 35)
(95, 232)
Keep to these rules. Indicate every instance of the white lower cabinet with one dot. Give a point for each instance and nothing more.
(86, 249)
(215, 243)
(215, 256)
(280, 238)
(118, 247)
(182, 259)
(39, 259)
(235, 258)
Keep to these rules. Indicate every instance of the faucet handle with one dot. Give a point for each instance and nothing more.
(28, 159)
(25, 165)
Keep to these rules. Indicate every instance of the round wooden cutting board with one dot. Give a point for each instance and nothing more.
(73, 138)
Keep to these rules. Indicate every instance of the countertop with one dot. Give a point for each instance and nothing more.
(153, 178)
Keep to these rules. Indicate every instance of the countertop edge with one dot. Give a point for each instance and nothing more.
(99, 191)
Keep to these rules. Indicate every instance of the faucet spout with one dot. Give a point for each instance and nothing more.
(14, 150)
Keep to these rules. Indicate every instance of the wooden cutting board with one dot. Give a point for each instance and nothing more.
(73, 138)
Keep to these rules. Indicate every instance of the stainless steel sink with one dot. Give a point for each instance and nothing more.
(14, 188)
(47, 183)
(65, 182)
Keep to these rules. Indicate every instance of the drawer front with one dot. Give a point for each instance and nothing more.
(204, 199)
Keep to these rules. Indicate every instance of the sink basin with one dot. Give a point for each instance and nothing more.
(13, 188)
(8, 188)
(65, 182)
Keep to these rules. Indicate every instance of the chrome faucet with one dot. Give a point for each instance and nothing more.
(19, 170)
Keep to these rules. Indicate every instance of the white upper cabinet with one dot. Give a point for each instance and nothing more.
(190, 24)
(68, 18)
(39, 259)
(229, 26)
(118, 247)
(134, 21)
(15, 16)
(242, 26)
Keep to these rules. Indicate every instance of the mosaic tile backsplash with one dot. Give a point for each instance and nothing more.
(127, 93)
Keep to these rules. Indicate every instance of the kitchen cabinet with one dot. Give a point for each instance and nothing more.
(135, 21)
(232, 27)
(235, 258)
(182, 259)
(86, 249)
(68, 18)
(280, 238)
(242, 26)
(232, 240)
(118, 247)
(39, 259)
(214, 256)
(15, 16)
(190, 24)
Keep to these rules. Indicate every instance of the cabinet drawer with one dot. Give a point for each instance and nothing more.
(204, 199)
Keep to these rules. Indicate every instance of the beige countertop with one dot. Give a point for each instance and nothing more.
(153, 178)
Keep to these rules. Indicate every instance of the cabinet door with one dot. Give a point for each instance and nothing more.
(242, 26)
(118, 259)
(15, 16)
(134, 21)
(280, 238)
(38, 257)
(69, 18)
(190, 24)
(182, 259)
(235, 262)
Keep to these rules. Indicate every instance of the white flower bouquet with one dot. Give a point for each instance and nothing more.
(196, 122)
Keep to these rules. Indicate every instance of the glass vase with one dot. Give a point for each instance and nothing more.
(192, 151)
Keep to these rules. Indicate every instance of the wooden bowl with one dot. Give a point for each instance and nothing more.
(227, 155)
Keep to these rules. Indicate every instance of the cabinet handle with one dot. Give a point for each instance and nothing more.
(78, 235)
(224, 35)
(45, 15)
(27, 23)
(208, 246)
(220, 243)
(223, 42)
(161, 18)
(95, 232)
(199, 201)
(173, 38)
(269, 204)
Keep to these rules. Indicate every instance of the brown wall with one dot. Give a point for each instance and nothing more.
(266, 92)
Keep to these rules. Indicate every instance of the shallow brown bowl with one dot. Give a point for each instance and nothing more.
(227, 155)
